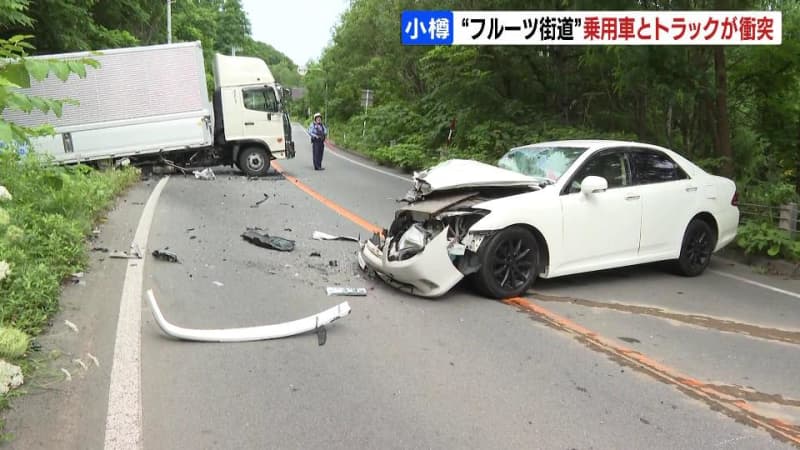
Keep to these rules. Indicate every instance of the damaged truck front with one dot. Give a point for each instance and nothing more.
(437, 239)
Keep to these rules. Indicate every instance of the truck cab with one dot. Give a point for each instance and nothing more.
(250, 122)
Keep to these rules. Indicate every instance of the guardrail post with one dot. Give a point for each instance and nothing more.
(788, 218)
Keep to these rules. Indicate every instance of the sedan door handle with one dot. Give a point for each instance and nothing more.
(249, 123)
(632, 197)
(691, 189)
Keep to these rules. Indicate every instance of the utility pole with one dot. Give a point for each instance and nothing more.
(169, 21)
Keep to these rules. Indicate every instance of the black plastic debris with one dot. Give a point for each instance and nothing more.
(165, 255)
(322, 335)
(265, 240)
(100, 249)
(258, 203)
(315, 254)
(333, 263)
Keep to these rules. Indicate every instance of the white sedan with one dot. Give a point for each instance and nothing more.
(553, 209)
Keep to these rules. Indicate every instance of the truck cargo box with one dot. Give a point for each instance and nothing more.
(140, 101)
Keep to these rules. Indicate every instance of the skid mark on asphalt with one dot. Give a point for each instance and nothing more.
(723, 401)
(729, 326)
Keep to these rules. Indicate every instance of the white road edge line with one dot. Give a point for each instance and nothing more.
(124, 413)
(366, 166)
(755, 283)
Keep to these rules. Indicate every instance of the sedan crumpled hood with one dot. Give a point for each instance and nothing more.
(463, 173)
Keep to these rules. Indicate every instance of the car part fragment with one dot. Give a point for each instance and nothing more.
(265, 240)
(248, 334)
(348, 291)
(320, 236)
(165, 255)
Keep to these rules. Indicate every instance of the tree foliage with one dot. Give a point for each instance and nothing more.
(61, 26)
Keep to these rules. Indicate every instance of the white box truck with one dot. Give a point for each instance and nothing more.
(150, 104)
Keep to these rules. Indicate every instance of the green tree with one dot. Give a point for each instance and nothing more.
(17, 70)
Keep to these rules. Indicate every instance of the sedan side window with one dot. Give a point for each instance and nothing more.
(610, 166)
(655, 167)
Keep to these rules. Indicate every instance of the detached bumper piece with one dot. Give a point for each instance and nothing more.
(429, 273)
(316, 322)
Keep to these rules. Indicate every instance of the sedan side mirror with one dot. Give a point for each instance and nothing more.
(593, 185)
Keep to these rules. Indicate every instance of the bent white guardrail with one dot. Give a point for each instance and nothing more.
(275, 331)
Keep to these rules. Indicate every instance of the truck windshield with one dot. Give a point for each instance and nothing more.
(546, 162)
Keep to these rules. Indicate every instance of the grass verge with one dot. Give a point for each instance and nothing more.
(43, 231)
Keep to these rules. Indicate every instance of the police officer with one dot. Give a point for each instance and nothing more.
(318, 133)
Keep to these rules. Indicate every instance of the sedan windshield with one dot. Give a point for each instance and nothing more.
(544, 162)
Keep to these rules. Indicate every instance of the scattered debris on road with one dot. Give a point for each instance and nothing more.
(165, 255)
(205, 174)
(333, 263)
(189, 229)
(265, 240)
(322, 335)
(320, 236)
(76, 278)
(259, 333)
(94, 359)
(315, 255)
(348, 291)
(71, 326)
(80, 362)
(100, 249)
(134, 253)
(67, 375)
(217, 283)
(258, 203)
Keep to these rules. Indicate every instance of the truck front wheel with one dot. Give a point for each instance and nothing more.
(254, 161)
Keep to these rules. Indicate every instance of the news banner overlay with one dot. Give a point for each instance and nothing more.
(591, 28)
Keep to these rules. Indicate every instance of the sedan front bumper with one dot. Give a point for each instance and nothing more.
(429, 273)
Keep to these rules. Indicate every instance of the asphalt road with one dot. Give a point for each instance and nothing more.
(629, 358)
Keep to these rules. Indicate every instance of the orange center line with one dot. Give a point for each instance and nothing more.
(652, 366)
(661, 371)
(342, 211)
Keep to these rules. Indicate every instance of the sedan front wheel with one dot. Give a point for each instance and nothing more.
(509, 263)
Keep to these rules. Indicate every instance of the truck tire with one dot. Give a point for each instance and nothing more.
(254, 161)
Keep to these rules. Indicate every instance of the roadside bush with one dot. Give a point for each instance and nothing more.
(43, 241)
(763, 238)
(405, 156)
